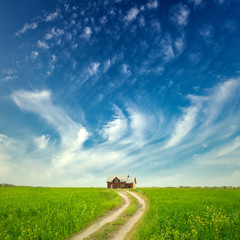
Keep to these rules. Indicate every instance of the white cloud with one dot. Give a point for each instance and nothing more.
(34, 55)
(221, 97)
(41, 142)
(180, 14)
(179, 44)
(138, 123)
(183, 126)
(103, 20)
(92, 69)
(8, 75)
(57, 31)
(42, 44)
(40, 103)
(52, 62)
(135, 138)
(117, 128)
(107, 65)
(132, 14)
(197, 2)
(229, 148)
(142, 21)
(8, 143)
(152, 4)
(167, 49)
(125, 69)
(68, 36)
(206, 32)
(27, 27)
(48, 36)
(53, 16)
(54, 58)
(86, 33)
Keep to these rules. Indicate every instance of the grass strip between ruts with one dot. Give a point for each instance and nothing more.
(108, 230)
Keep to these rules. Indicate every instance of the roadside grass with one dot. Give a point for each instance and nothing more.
(51, 213)
(190, 214)
(107, 231)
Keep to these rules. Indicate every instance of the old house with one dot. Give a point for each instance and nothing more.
(121, 181)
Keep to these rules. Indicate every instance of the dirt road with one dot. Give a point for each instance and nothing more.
(121, 233)
(102, 221)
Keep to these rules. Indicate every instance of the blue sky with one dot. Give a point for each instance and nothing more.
(146, 88)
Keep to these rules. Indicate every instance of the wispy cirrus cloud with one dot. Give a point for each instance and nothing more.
(42, 44)
(52, 16)
(34, 55)
(179, 14)
(7, 75)
(115, 129)
(206, 32)
(152, 4)
(26, 28)
(87, 32)
(167, 49)
(73, 135)
(132, 14)
(229, 148)
(132, 135)
(183, 126)
(48, 17)
(41, 142)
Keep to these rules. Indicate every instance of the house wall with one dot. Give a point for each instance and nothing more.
(116, 185)
(121, 185)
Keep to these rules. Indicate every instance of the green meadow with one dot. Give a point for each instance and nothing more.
(51, 213)
(176, 213)
(172, 213)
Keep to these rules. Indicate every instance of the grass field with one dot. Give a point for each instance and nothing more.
(51, 213)
(190, 214)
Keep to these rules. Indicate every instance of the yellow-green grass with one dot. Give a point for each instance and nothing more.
(176, 213)
(51, 213)
(108, 230)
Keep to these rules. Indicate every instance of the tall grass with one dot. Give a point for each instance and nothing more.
(190, 214)
(51, 213)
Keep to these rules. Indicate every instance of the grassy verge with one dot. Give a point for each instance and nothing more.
(51, 213)
(190, 214)
(107, 231)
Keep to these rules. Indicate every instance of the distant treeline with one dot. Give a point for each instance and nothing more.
(6, 185)
(199, 187)
(205, 187)
(213, 187)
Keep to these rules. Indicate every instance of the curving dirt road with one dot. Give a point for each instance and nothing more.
(102, 221)
(120, 235)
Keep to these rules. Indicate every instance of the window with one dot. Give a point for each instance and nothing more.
(116, 180)
(121, 185)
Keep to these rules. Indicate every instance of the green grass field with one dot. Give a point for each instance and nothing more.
(190, 214)
(51, 213)
(173, 213)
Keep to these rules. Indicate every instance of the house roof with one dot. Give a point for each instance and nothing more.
(122, 178)
(130, 180)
